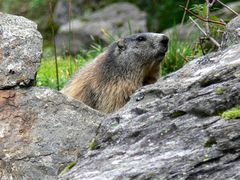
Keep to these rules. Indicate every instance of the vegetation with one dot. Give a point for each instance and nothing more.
(67, 168)
(220, 91)
(178, 54)
(67, 66)
(177, 114)
(233, 113)
(93, 144)
(210, 142)
(38, 11)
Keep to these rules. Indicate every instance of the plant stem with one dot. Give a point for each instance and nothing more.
(207, 17)
(54, 42)
(184, 14)
(211, 38)
(203, 19)
(227, 7)
(70, 37)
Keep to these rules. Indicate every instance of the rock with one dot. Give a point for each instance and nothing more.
(186, 32)
(61, 10)
(41, 132)
(20, 51)
(75, 40)
(225, 13)
(114, 19)
(232, 34)
(172, 129)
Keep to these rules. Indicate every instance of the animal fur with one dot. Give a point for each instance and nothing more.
(107, 82)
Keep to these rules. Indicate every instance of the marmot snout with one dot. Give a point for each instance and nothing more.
(107, 82)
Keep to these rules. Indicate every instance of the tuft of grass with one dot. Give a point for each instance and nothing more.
(46, 75)
(220, 91)
(210, 142)
(67, 66)
(179, 53)
(177, 114)
(93, 144)
(66, 169)
(233, 113)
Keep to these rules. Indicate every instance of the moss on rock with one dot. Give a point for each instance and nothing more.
(233, 113)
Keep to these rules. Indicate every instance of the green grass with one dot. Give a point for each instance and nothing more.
(93, 144)
(47, 73)
(233, 113)
(179, 53)
(67, 168)
(67, 66)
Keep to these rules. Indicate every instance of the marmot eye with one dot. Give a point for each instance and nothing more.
(141, 38)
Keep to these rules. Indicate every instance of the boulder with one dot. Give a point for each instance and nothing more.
(118, 19)
(62, 8)
(20, 51)
(41, 130)
(232, 34)
(173, 129)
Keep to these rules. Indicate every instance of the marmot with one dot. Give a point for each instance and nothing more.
(107, 82)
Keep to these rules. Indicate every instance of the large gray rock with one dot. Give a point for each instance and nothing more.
(41, 132)
(20, 51)
(172, 129)
(114, 19)
(232, 34)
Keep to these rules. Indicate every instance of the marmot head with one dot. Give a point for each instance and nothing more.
(140, 49)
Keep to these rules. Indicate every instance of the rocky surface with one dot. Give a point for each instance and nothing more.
(172, 129)
(20, 51)
(41, 130)
(114, 19)
(232, 33)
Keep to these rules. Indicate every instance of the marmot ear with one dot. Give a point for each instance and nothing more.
(121, 44)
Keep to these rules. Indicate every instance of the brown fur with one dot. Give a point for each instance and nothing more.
(103, 90)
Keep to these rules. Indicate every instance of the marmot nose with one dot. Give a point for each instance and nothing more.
(164, 40)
